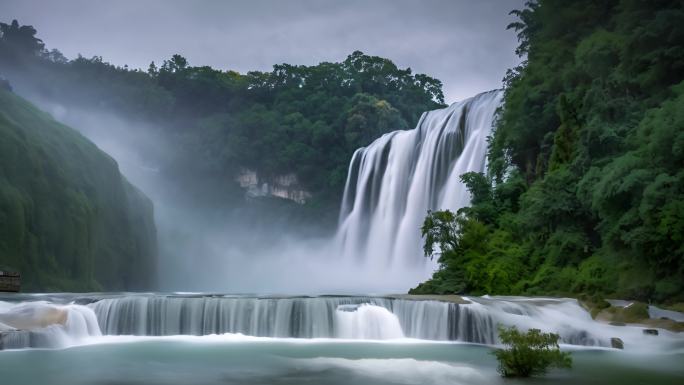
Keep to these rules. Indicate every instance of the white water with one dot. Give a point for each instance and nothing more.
(395, 180)
(43, 324)
(367, 322)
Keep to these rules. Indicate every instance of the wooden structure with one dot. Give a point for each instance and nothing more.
(10, 281)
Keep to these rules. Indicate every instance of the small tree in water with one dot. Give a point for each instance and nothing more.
(529, 354)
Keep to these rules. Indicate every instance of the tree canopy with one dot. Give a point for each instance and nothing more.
(306, 120)
(585, 185)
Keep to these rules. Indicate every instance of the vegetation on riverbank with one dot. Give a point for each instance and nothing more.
(636, 314)
(529, 353)
(584, 191)
(68, 220)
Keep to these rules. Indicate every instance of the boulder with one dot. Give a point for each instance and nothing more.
(651, 332)
(617, 343)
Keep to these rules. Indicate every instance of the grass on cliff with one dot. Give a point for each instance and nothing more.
(68, 220)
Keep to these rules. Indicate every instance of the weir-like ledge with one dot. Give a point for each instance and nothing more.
(450, 298)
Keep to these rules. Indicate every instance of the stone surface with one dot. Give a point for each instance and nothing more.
(432, 297)
(617, 343)
(285, 186)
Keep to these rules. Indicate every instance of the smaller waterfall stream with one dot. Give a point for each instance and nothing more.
(367, 322)
(45, 325)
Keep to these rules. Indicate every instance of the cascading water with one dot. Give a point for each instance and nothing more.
(301, 317)
(367, 322)
(354, 318)
(394, 181)
(390, 186)
(44, 324)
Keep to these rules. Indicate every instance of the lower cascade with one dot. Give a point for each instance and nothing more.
(367, 322)
(300, 317)
(44, 325)
(75, 320)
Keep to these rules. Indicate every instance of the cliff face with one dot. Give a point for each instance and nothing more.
(69, 221)
(282, 186)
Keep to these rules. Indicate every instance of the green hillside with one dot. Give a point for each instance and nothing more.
(585, 185)
(69, 221)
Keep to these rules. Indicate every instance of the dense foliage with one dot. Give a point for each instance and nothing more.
(302, 119)
(530, 353)
(585, 184)
(68, 220)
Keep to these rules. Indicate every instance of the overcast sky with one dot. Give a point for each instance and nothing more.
(464, 43)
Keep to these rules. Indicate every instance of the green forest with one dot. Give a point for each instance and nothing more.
(302, 119)
(308, 119)
(584, 191)
(68, 220)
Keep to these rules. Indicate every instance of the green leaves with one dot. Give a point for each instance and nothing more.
(530, 353)
(440, 231)
(294, 118)
(68, 220)
(587, 160)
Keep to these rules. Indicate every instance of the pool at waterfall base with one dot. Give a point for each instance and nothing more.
(217, 339)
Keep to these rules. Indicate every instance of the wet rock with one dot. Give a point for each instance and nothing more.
(616, 343)
(651, 332)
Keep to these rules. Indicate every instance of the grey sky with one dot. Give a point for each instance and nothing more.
(463, 43)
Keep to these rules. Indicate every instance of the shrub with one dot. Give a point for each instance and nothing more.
(529, 353)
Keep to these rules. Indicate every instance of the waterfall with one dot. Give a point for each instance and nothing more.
(367, 322)
(44, 325)
(343, 317)
(86, 319)
(394, 181)
(301, 317)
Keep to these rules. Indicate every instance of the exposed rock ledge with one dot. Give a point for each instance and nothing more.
(620, 313)
(281, 186)
(32, 316)
(452, 298)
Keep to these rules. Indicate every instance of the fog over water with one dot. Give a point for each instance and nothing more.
(242, 247)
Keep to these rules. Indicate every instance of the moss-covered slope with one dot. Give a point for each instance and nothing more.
(69, 221)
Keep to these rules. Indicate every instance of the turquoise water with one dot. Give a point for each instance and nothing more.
(248, 360)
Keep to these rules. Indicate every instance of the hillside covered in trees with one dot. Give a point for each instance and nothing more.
(307, 119)
(585, 185)
(68, 220)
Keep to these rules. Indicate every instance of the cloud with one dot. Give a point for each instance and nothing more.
(463, 43)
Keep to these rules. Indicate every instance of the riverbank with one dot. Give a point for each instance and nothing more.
(451, 298)
(612, 312)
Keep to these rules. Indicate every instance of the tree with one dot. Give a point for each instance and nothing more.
(19, 42)
(440, 231)
(584, 190)
(530, 353)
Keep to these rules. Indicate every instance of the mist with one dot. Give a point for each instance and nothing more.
(239, 246)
